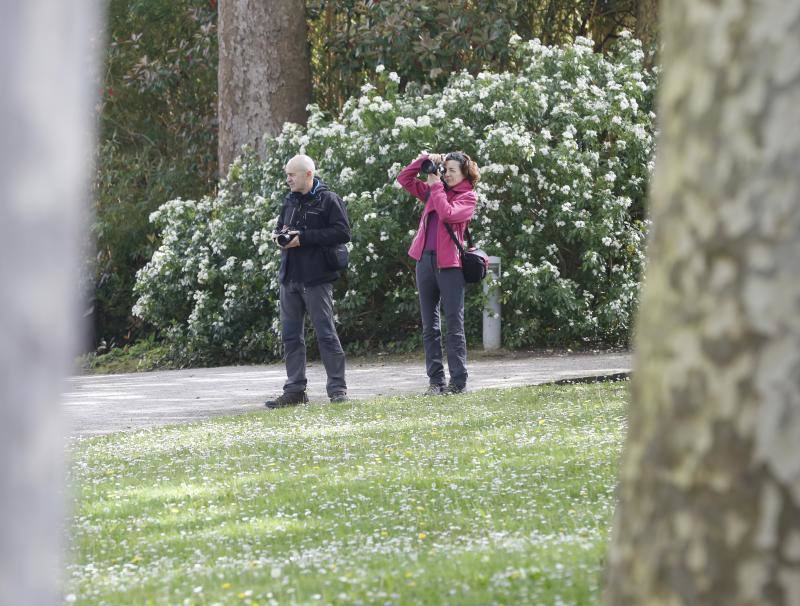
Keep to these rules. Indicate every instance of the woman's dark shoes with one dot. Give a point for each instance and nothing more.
(453, 389)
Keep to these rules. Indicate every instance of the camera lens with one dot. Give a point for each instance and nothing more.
(284, 239)
(428, 167)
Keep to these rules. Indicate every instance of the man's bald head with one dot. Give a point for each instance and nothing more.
(302, 162)
(300, 173)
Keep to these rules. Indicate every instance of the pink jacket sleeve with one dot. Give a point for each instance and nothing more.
(459, 210)
(408, 179)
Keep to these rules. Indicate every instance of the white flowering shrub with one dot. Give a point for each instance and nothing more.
(565, 146)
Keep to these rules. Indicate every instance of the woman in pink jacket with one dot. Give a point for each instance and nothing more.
(448, 200)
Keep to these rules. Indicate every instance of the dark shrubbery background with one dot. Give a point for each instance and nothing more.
(158, 141)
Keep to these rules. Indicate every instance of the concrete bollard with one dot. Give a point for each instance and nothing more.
(491, 313)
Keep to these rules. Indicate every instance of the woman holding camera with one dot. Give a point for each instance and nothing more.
(449, 200)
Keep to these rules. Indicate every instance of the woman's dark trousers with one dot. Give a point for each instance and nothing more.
(445, 286)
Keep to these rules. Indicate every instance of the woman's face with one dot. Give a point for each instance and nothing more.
(452, 174)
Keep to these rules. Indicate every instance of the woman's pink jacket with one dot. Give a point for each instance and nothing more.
(454, 206)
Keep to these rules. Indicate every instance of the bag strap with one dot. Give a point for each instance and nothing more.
(453, 236)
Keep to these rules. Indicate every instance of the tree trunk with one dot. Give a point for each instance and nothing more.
(605, 18)
(264, 72)
(647, 27)
(45, 162)
(709, 498)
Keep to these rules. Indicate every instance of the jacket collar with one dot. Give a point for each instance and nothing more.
(461, 187)
(317, 186)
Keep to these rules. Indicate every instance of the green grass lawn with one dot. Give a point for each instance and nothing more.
(491, 497)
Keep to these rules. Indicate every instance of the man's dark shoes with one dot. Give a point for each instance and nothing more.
(339, 397)
(288, 398)
(434, 389)
(453, 389)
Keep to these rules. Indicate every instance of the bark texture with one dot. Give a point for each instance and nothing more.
(647, 26)
(264, 72)
(709, 501)
(45, 162)
(605, 16)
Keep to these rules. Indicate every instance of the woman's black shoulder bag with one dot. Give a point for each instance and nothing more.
(474, 262)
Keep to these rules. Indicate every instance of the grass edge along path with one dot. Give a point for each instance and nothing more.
(489, 497)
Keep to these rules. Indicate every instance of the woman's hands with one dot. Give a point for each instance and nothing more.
(438, 160)
(435, 158)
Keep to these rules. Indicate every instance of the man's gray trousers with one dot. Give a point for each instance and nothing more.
(296, 300)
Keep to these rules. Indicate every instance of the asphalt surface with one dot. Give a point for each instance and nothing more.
(100, 404)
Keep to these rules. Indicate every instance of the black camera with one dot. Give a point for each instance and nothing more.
(288, 231)
(429, 167)
(284, 237)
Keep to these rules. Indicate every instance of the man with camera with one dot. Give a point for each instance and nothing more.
(311, 231)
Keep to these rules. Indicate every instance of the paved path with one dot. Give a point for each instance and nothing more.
(98, 404)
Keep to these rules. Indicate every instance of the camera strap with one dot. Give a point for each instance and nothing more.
(467, 235)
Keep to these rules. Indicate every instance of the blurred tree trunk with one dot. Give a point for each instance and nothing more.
(264, 72)
(709, 501)
(45, 162)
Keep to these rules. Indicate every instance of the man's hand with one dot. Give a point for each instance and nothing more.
(293, 243)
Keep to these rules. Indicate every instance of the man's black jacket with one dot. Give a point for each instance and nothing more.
(321, 218)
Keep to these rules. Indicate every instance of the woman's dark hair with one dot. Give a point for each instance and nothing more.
(468, 166)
